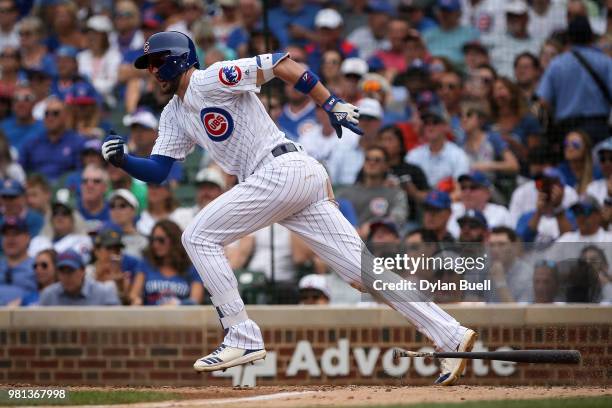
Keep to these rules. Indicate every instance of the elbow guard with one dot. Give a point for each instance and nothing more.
(267, 62)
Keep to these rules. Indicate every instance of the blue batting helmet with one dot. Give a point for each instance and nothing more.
(180, 51)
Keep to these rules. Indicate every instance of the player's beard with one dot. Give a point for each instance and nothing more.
(170, 87)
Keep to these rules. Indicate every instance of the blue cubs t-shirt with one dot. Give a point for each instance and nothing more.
(159, 289)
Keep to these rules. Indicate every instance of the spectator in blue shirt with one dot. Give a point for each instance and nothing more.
(45, 270)
(21, 126)
(17, 277)
(413, 11)
(577, 168)
(74, 288)
(299, 114)
(57, 149)
(14, 205)
(584, 106)
(292, 22)
(67, 70)
(166, 276)
(92, 204)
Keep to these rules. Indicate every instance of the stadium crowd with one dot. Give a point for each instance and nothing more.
(486, 128)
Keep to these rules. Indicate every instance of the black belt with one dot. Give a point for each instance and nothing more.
(284, 148)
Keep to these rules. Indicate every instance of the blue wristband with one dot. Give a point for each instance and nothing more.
(307, 81)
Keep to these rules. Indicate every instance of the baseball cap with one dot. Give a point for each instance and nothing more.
(586, 205)
(66, 51)
(380, 6)
(434, 115)
(579, 30)
(127, 195)
(474, 46)
(210, 175)
(370, 107)
(16, 223)
(473, 215)
(69, 259)
(316, 282)
(11, 188)
(553, 173)
(328, 18)
(437, 199)
(61, 207)
(517, 7)
(408, 5)
(449, 5)
(383, 223)
(605, 146)
(100, 23)
(142, 117)
(92, 145)
(108, 237)
(355, 66)
(82, 93)
(477, 177)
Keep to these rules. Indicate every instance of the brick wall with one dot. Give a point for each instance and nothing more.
(43, 352)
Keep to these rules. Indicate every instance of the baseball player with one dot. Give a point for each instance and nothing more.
(217, 109)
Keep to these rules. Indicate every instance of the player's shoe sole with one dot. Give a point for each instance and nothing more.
(225, 357)
(454, 366)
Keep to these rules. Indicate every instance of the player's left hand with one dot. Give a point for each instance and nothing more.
(342, 114)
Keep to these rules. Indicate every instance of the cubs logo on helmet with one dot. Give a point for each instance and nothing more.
(230, 75)
(218, 123)
(145, 48)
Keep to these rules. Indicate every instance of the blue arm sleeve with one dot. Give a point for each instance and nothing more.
(154, 169)
(523, 230)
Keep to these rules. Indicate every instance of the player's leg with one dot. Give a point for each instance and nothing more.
(335, 240)
(273, 193)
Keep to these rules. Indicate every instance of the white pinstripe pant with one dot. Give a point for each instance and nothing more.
(292, 191)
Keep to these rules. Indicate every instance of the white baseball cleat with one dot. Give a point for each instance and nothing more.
(225, 357)
(452, 368)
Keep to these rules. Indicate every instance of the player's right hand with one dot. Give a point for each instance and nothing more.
(342, 114)
(114, 149)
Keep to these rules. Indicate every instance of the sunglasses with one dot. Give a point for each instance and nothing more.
(469, 186)
(581, 210)
(62, 212)
(24, 98)
(92, 180)
(10, 55)
(574, 144)
(124, 14)
(470, 225)
(26, 33)
(159, 240)
(450, 87)
(546, 263)
(9, 197)
(375, 159)
(66, 271)
(120, 206)
(52, 113)
(41, 265)
(605, 158)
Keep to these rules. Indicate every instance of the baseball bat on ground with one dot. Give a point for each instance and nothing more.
(518, 356)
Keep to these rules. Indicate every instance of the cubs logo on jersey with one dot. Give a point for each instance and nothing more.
(230, 75)
(218, 123)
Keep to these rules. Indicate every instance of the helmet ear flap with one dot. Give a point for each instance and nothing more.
(174, 66)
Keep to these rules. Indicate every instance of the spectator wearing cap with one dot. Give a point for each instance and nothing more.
(250, 16)
(314, 290)
(128, 35)
(123, 212)
(67, 71)
(546, 17)
(292, 22)
(550, 218)
(413, 11)
(328, 25)
(17, 277)
(602, 188)
(74, 288)
(120, 179)
(439, 158)
(371, 198)
(34, 53)
(55, 151)
(527, 71)
(448, 38)
(475, 54)
(589, 219)
(299, 113)
(578, 168)
(83, 103)
(505, 46)
(587, 106)
(384, 232)
(486, 149)
(14, 205)
(352, 70)
(436, 213)
(373, 37)
(90, 155)
(21, 125)
(92, 204)
(99, 62)
(65, 234)
(65, 29)
(475, 195)
(346, 161)
(473, 228)
(9, 168)
(9, 15)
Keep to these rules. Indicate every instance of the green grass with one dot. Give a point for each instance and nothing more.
(579, 402)
(92, 398)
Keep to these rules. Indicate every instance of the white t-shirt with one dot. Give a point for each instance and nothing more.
(82, 244)
(103, 72)
(283, 261)
(525, 199)
(496, 215)
(542, 26)
(598, 189)
(575, 236)
(317, 144)
(221, 113)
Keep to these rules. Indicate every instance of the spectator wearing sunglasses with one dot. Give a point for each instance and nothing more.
(128, 35)
(46, 274)
(34, 52)
(56, 150)
(17, 277)
(13, 204)
(602, 189)
(577, 168)
(166, 276)
(92, 204)
(123, 211)
(21, 125)
(589, 219)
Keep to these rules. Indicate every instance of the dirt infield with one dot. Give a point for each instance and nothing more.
(350, 396)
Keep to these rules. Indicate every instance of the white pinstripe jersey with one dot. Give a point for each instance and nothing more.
(221, 113)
